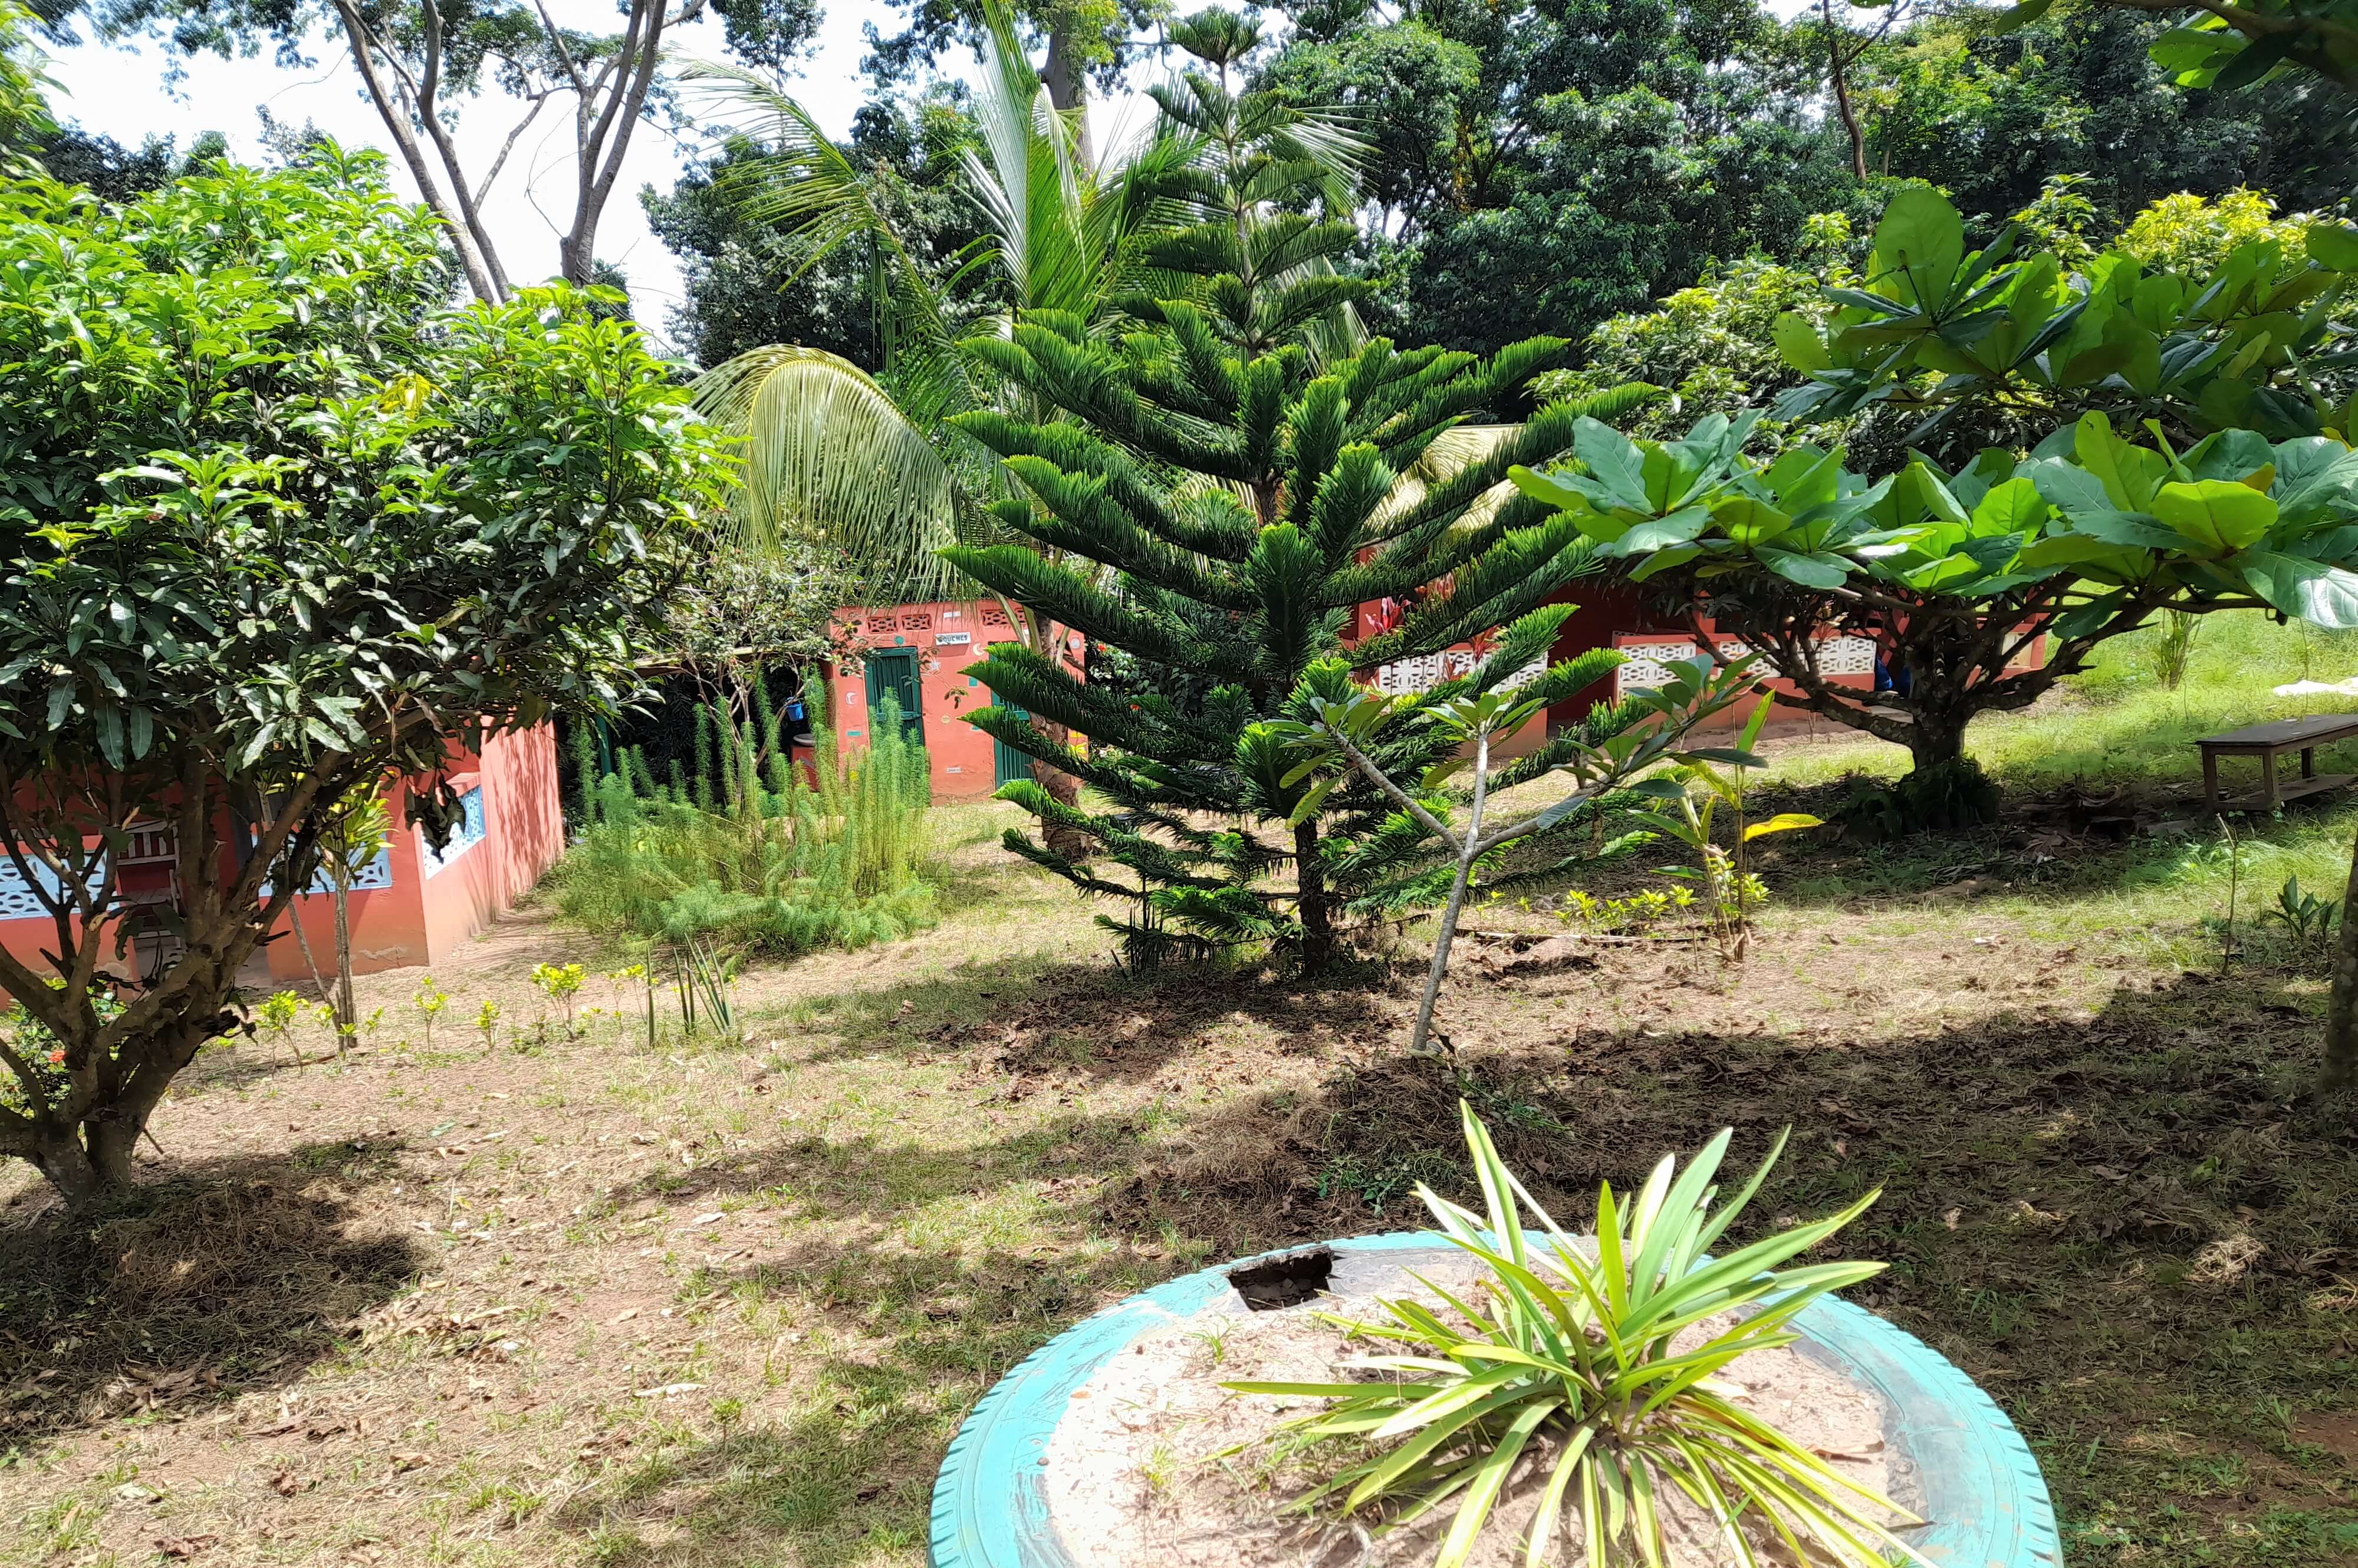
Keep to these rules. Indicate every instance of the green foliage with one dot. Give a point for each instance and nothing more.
(560, 983)
(2238, 44)
(429, 1000)
(2174, 646)
(1713, 345)
(751, 281)
(1996, 118)
(2006, 342)
(276, 524)
(761, 856)
(25, 126)
(1344, 727)
(1277, 502)
(1572, 1341)
(1539, 167)
(2190, 234)
(1681, 806)
(2305, 918)
(44, 1081)
(1955, 569)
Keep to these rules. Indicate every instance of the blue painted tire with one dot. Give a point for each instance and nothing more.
(1971, 1473)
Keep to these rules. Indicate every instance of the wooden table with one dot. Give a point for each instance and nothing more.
(2269, 742)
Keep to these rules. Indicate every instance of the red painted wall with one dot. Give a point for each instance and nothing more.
(947, 635)
(523, 833)
(425, 912)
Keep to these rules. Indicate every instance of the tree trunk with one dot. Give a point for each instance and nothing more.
(1466, 855)
(347, 1012)
(1068, 89)
(69, 1167)
(1311, 901)
(2340, 1066)
(1838, 69)
(1935, 741)
(1066, 843)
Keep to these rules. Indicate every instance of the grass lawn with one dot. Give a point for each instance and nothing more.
(597, 1301)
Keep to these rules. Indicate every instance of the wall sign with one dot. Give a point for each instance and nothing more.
(945, 639)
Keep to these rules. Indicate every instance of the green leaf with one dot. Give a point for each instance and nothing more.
(2321, 594)
(1918, 246)
(1820, 571)
(1799, 342)
(2218, 517)
(2332, 245)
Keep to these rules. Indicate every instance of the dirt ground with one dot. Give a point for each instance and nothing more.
(583, 1300)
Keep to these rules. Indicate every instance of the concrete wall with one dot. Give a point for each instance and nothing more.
(462, 890)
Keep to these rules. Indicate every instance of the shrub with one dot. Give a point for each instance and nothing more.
(757, 853)
(1576, 1345)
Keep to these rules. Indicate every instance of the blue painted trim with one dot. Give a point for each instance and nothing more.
(1973, 1476)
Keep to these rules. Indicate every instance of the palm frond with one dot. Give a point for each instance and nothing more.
(831, 457)
(808, 186)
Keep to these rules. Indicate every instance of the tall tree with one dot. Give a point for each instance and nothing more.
(1087, 41)
(420, 61)
(1540, 165)
(1215, 496)
(274, 524)
(1992, 115)
(877, 466)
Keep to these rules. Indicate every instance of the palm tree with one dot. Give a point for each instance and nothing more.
(871, 464)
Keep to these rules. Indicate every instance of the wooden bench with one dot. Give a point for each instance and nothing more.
(2267, 742)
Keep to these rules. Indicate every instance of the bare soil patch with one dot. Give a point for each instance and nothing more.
(588, 1301)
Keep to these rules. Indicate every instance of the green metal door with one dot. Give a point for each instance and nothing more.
(1013, 763)
(894, 671)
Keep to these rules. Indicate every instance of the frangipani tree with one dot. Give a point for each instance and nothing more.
(1958, 570)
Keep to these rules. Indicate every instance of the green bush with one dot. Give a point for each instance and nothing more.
(755, 854)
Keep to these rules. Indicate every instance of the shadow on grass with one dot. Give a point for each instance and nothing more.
(224, 1276)
(2138, 1231)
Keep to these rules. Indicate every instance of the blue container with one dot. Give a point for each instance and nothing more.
(1955, 1458)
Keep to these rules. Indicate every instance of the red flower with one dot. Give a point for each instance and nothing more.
(57, 1055)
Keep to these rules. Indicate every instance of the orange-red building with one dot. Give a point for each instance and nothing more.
(414, 905)
(919, 653)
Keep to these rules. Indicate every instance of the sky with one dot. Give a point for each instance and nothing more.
(124, 93)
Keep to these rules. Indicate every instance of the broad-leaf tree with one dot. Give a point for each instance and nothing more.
(2005, 343)
(276, 526)
(1957, 572)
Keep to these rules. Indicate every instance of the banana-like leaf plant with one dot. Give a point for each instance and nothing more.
(1687, 798)
(1567, 1354)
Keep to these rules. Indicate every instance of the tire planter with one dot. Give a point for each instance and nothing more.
(1957, 1461)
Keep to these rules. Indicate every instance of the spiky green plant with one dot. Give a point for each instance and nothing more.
(1577, 1348)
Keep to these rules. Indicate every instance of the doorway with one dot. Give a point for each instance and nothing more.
(893, 671)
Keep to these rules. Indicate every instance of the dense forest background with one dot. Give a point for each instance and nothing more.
(1546, 166)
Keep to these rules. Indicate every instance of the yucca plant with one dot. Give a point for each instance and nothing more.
(1577, 1348)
